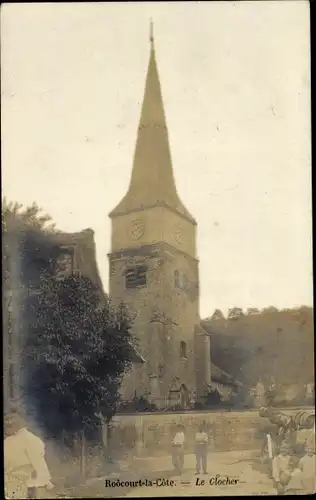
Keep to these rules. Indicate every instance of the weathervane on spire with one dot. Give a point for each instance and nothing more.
(151, 36)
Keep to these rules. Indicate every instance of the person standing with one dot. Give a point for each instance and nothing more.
(201, 448)
(307, 467)
(281, 469)
(25, 470)
(178, 449)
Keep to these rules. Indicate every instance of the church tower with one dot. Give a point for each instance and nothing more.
(154, 267)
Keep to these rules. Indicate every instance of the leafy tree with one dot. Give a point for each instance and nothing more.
(30, 216)
(75, 354)
(269, 310)
(217, 314)
(75, 349)
(213, 398)
(279, 345)
(253, 310)
(138, 404)
(16, 222)
(235, 312)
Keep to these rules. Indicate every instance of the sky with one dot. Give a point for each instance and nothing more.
(235, 80)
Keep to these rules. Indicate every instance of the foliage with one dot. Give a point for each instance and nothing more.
(30, 216)
(217, 314)
(273, 345)
(253, 310)
(137, 404)
(16, 222)
(75, 355)
(213, 398)
(75, 349)
(269, 310)
(235, 312)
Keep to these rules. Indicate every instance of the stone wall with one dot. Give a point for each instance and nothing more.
(165, 315)
(151, 434)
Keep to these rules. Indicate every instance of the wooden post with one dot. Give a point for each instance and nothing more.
(139, 424)
(104, 431)
(83, 455)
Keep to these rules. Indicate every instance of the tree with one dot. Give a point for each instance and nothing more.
(217, 314)
(30, 216)
(75, 355)
(269, 310)
(138, 404)
(17, 221)
(213, 398)
(235, 312)
(252, 310)
(28, 230)
(280, 344)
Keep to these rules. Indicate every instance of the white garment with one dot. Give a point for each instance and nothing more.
(281, 466)
(179, 438)
(308, 467)
(201, 438)
(26, 452)
(270, 446)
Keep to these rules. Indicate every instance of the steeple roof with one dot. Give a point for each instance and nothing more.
(152, 181)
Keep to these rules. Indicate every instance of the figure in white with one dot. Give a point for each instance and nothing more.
(25, 469)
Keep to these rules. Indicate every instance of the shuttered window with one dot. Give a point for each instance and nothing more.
(136, 277)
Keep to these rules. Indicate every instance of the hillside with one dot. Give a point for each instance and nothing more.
(265, 344)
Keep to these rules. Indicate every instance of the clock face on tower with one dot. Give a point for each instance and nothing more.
(137, 229)
(177, 234)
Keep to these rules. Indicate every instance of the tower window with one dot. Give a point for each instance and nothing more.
(185, 282)
(136, 276)
(183, 349)
(176, 279)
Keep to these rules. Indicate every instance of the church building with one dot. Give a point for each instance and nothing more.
(154, 268)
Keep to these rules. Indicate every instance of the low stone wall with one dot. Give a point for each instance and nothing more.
(151, 434)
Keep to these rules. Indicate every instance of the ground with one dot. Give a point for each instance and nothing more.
(251, 478)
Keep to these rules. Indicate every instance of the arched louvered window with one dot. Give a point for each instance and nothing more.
(136, 276)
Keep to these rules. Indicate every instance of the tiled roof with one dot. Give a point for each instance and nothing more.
(219, 375)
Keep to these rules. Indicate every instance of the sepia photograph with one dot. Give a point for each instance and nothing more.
(157, 290)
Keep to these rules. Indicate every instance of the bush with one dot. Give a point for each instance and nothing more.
(137, 404)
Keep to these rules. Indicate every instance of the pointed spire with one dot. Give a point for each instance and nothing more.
(152, 182)
(151, 36)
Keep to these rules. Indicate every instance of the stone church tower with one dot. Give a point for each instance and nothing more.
(154, 267)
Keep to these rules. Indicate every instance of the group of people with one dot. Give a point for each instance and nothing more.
(282, 468)
(201, 448)
(26, 474)
(283, 471)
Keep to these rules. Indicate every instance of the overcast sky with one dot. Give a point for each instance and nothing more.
(235, 79)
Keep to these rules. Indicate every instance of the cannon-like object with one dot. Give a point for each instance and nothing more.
(300, 420)
(304, 420)
(290, 429)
